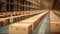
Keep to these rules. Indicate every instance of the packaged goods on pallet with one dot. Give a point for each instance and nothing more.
(1, 16)
(20, 28)
(1, 23)
(29, 22)
(12, 19)
(26, 15)
(5, 15)
(15, 18)
(11, 14)
(33, 20)
(14, 13)
(54, 23)
(19, 17)
(55, 26)
(18, 13)
(22, 17)
(4, 21)
(8, 21)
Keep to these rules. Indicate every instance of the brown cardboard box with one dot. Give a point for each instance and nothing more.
(54, 23)
(55, 26)
(28, 22)
(15, 18)
(12, 19)
(1, 16)
(20, 28)
(22, 16)
(26, 15)
(8, 21)
(4, 15)
(3, 21)
(33, 20)
(19, 17)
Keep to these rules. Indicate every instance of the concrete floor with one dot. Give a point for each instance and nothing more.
(42, 28)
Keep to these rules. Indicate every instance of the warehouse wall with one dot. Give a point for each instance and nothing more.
(19, 5)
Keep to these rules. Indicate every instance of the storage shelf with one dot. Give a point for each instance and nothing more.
(20, 5)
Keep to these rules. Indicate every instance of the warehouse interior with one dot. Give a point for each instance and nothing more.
(29, 16)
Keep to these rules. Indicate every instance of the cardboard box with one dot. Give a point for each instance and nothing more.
(33, 20)
(12, 19)
(55, 26)
(20, 28)
(1, 16)
(8, 21)
(1, 23)
(17, 18)
(54, 23)
(29, 21)
(26, 15)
